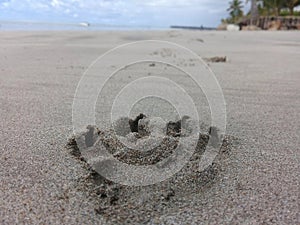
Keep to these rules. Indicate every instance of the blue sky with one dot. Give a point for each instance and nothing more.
(117, 12)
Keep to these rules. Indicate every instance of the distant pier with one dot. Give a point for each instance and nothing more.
(192, 27)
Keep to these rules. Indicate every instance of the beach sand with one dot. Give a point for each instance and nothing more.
(257, 183)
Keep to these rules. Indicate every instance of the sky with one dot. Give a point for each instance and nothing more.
(155, 13)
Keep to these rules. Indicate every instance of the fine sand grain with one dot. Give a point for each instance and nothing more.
(256, 183)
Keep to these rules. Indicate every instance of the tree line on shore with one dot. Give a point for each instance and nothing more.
(261, 8)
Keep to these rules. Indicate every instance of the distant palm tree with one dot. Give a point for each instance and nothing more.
(291, 4)
(254, 9)
(235, 10)
(274, 6)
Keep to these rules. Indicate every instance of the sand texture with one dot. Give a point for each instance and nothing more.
(255, 179)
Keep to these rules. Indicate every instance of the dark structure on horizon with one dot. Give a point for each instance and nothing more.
(192, 27)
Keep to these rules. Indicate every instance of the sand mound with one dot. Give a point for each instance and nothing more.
(144, 141)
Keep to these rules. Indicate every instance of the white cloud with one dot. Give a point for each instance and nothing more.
(67, 11)
(173, 3)
(5, 4)
(56, 3)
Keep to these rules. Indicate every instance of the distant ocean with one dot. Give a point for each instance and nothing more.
(23, 26)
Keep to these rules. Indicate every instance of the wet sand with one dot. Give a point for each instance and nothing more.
(258, 183)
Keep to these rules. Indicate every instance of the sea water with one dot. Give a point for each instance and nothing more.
(25, 25)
